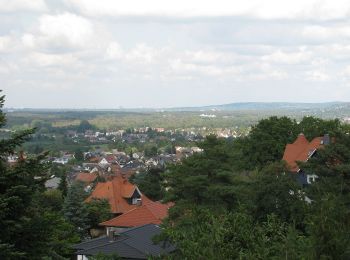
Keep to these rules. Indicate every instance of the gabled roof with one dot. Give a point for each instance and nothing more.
(111, 158)
(134, 243)
(151, 213)
(117, 191)
(301, 150)
(86, 177)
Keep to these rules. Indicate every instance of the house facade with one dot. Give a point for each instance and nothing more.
(120, 193)
(301, 151)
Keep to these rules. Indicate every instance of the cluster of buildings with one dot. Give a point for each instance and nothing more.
(135, 220)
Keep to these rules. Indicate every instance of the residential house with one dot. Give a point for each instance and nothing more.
(134, 243)
(301, 151)
(120, 193)
(52, 183)
(150, 213)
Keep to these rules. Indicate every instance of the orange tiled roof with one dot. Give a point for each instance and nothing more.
(117, 191)
(86, 177)
(300, 150)
(111, 158)
(151, 213)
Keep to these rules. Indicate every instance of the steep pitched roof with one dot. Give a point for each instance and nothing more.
(117, 191)
(151, 213)
(301, 150)
(86, 177)
(134, 243)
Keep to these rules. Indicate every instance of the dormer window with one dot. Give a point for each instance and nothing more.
(136, 201)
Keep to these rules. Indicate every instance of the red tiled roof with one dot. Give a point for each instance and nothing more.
(111, 158)
(300, 150)
(151, 213)
(116, 191)
(86, 177)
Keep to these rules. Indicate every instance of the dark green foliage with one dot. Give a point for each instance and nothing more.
(63, 187)
(204, 234)
(266, 142)
(98, 210)
(31, 227)
(203, 178)
(151, 151)
(84, 126)
(74, 209)
(276, 192)
(150, 183)
(313, 127)
(223, 213)
(328, 226)
(79, 155)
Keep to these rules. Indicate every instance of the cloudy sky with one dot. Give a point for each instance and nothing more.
(162, 53)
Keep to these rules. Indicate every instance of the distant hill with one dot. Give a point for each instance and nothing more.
(266, 106)
(240, 106)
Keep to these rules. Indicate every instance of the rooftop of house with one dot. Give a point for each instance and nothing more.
(86, 177)
(118, 191)
(133, 243)
(302, 150)
(150, 213)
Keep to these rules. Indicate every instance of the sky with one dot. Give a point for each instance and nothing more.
(161, 53)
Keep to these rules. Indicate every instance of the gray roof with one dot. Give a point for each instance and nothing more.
(133, 243)
(52, 183)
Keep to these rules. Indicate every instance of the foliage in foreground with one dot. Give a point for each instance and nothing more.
(224, 213)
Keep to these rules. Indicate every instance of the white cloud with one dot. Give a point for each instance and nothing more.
(5, 43)
(345, 73)
(287, 57)
(65, 30)
(177, 65)
(267, 9)
(322, 33)
(114, 51)
(317, 75)
(142, 53)
(22, 5)
(46, 60)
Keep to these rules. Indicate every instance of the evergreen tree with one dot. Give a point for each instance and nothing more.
(63, 187)
(28, 230)
(74, 208)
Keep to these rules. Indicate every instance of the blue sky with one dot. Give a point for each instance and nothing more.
(112, 53)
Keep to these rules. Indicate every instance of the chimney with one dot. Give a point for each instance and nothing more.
(326, 139)
(114, 233)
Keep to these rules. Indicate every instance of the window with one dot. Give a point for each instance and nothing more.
(311, 178)
(136, 201)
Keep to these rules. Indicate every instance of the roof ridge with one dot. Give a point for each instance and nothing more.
(91, 240)
(119, 215)
(133, 228)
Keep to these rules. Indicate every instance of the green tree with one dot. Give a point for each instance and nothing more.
(79, 155)
(266, 142)
(74, 209)
(28, 229)
(313, 127)
(84, 126)
(277, 192)
(98, 210)
(150, 183)
(63, 187)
